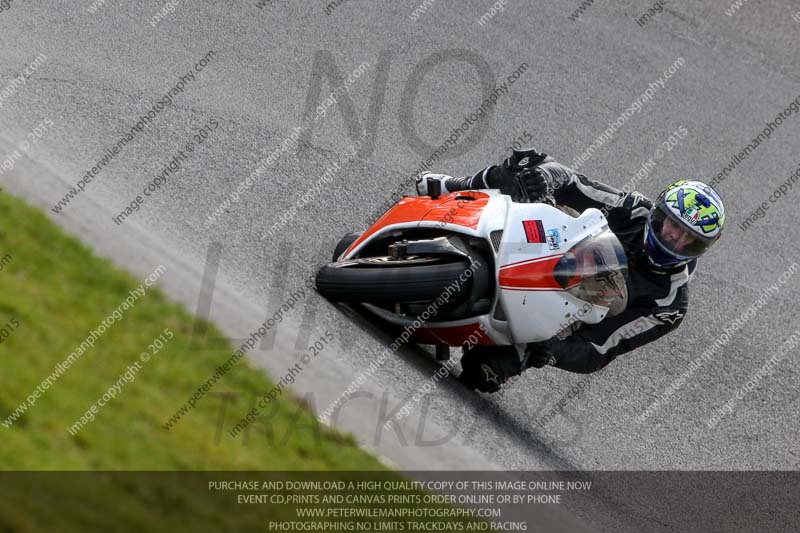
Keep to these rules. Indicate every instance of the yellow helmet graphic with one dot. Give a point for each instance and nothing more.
(686, 219)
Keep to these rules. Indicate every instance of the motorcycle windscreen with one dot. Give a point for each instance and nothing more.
(595, 271)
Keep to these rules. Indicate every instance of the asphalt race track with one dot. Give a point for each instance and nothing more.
(414, 72)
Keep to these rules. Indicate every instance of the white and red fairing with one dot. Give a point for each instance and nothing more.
(534, 306)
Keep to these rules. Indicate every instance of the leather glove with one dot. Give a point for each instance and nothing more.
(521, 159)
(487, 368)
(539, 356)
(533, 184)
(519, 178)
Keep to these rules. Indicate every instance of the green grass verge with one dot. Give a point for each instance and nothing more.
(53, 292)
(57, 291)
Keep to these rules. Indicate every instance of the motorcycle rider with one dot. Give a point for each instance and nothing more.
(662, 241)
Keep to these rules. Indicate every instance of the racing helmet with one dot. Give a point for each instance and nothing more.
(685, 220)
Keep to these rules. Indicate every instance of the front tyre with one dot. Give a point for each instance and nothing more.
(381, 280)
(345, 243)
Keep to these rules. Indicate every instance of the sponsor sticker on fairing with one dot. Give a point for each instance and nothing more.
(534, 231)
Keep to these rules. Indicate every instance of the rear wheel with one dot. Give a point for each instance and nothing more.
(383, 280)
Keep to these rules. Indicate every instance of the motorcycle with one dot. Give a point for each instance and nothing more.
(475, 267)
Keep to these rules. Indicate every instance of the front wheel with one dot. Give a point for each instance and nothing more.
(345, 243)
(381, 280)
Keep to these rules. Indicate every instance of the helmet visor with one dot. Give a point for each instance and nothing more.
(675, 236)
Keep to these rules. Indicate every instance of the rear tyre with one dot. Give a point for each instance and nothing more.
(379, 282)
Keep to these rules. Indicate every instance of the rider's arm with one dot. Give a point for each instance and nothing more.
(625, 213)
(575, 190)
(594, 346)
(568, 187)
(502, 177)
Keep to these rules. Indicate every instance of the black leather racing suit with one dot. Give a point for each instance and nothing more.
(657, 299)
